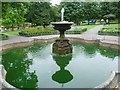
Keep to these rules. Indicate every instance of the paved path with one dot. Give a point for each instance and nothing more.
(91, 34)
(75, 28)
(88, 35)
(14, 39)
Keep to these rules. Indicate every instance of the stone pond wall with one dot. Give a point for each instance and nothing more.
(3, 83)
(112, 81)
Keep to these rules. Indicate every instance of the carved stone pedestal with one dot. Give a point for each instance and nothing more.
(62, 47)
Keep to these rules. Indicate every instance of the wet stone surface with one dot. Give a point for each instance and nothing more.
(62, 47)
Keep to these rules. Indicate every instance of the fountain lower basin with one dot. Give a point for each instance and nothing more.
(42, 57)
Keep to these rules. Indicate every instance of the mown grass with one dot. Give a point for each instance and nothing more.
(15, 32)
(111, 26)
(91, 25)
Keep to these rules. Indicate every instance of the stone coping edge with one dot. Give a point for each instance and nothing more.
(3, 82)
(112, 81)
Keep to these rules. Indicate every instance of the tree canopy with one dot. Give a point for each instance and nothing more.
(77, 11)
(13, 13)
(39, 13)
(42, 13)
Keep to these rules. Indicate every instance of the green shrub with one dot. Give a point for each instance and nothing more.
(3, 37)
(36, 32)
(109, 31)
(47, 31)
(76, 31)
(39, 27)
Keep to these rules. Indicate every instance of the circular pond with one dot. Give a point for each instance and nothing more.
(35, 66)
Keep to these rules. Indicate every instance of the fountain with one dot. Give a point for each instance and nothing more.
(62, 45)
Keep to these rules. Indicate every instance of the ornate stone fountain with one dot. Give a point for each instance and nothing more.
(62, 45)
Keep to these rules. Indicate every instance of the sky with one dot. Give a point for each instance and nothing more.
(55, 2)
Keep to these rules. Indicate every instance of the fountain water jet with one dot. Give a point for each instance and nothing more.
(62, 45)
(62, 14)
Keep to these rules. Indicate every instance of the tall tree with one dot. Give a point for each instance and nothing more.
(13, 13)
(91, 11)
(73, 11)
(55, 13)
(78, 11)
(109, 17)
(110, 8)
(39, 13)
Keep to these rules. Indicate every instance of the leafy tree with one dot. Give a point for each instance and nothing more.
(13, 13)
(110, 8)
(109, 17)
(68, 11)
(39, 13)
(79, 11)
(73, 11)
(55, 13)
(91, 11)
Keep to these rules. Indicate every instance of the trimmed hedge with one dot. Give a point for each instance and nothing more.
(29, 33)
(109, 31)
(76, 31)
(3, 37)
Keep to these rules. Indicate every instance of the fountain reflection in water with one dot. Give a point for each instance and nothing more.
(62, 76)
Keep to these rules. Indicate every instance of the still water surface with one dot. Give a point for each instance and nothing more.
(35, 66)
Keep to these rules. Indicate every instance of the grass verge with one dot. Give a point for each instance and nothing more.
(3, 37)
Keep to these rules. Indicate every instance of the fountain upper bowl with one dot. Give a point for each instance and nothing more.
(62, 26)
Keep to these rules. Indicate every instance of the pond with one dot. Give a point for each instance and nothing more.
(35, 66)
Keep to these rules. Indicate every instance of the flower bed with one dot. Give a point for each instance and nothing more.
(109, 31)
(49, 31)
(3, 37)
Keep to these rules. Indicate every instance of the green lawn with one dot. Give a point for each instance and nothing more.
(90, 26)
(15, 32)
(87, 26)
(83, 24)
(114, 21)
(111, 26)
